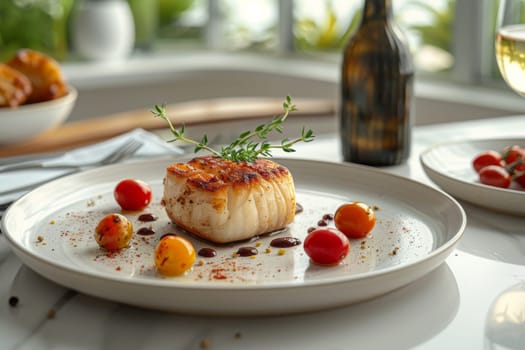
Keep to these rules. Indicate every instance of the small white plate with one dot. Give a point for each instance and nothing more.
(449, 165)
(51, 230)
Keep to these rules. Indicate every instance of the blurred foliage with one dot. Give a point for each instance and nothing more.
(327, 35)
(42, 25)
(170, 18)
(170, 10)
(438, 32)
(243, 38)
(145, 17)
(36, 24)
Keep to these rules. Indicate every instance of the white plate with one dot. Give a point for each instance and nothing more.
(449, 165)
(421, 224)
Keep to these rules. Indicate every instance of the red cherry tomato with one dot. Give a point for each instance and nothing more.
(520, 180)
(512, 154)
(326, 246)
(132, 194)
(354, 219)
(494, 175)
(485, 159)
(517, 168)
(519, 173)
(114, 232)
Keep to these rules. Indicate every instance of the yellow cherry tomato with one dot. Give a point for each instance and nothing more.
(114, 232)
(355, 219)
(174, 255)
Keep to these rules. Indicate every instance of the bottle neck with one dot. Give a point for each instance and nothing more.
(377, 10)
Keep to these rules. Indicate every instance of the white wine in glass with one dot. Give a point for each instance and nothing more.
(510, 43)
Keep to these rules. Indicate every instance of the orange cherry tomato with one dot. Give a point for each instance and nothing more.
(355, 219)
(114, 232)
(174, 255)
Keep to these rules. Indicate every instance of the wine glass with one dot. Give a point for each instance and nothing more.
(510, 43)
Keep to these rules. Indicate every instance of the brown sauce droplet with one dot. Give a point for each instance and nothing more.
(298, 208)
(285, 242)
(145, 231)
(328, 217)
(247, 251)
(322, 223)
(207, 252)
(13, 301)
(147, 217)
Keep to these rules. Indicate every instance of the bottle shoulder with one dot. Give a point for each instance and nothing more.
(378, 32)
(378, 39)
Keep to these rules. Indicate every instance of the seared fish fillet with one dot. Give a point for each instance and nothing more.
(224, 201)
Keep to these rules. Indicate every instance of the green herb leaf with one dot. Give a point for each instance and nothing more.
(250, 144)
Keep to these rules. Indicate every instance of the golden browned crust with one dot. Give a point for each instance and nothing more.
(15, 87)
(45, 75)
(211, 173)
(224, 201)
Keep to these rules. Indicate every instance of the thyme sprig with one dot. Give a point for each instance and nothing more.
(250, 144)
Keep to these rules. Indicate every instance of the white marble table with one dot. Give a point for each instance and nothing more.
(453, 307)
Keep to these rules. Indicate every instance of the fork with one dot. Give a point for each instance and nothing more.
(126, 150)
(123, 152)
(129, 147)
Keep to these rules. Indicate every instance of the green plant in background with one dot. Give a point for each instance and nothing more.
(352, 27)
(169, 10)
(327, 35)
(310, 34)
(37, 24)
(244, 38)
(170, 18)
(494, 70)
(240, 34)
(43, 24)
(146, 20)
(438, 32)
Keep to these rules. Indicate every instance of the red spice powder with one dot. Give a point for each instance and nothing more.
(218, 274)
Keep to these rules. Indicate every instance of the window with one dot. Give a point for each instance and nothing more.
(250, 25)
(429, 27)
(327, 25)
(181, 21)
(452, 39)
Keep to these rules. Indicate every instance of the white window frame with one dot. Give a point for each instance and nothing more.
(470, 48)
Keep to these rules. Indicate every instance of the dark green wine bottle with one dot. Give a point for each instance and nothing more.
(376, 90)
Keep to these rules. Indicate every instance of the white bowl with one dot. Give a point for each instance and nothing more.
(26, 121)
